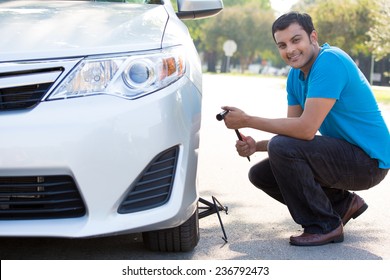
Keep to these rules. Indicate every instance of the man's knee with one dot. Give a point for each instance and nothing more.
(260, 174)
(253, 176)
(279, 144)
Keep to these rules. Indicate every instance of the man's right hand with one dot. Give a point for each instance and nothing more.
(246, 147)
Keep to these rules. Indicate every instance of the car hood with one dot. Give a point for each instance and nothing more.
(54, 29)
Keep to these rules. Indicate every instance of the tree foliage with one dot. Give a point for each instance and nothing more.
(250, 29)
(248, 23)
(343, 23)
(357, 26)
(360, 27)
(379, 33)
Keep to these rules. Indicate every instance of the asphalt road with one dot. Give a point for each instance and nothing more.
(257, 227)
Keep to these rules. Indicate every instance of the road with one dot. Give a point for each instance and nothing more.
(257, 227)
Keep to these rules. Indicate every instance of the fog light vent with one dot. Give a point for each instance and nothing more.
(154, 185)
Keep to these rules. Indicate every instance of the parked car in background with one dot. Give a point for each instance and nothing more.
(100, 111)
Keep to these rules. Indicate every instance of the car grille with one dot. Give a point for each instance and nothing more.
(39, 197)
(23, 90)
(154, 186)
(22, 97)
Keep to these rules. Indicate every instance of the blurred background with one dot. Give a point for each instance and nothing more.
(359, 27)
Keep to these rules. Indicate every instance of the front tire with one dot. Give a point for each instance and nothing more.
(182, 238)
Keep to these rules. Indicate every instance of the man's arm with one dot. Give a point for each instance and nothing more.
(299, 124)
(292, 112)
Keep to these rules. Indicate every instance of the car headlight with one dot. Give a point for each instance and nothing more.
(129, 77)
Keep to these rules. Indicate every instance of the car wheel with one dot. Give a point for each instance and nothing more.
(183, 238)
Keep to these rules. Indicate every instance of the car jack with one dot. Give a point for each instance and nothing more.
(212, 208)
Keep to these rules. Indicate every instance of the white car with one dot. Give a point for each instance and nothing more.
(100, 110)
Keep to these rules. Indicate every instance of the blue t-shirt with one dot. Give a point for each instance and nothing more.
(355, 117)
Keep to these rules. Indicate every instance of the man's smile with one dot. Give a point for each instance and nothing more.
(294, 57)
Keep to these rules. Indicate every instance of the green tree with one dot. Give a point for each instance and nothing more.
(360, 27)
(357, 26)
(343, 23)
(247, 23)
(253, 34)
(379, 33)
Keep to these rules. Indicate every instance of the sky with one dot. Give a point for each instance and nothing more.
(282, 6)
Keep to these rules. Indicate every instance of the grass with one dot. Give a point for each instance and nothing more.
(382, 94)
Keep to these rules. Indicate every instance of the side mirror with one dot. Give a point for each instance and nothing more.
(194, 9)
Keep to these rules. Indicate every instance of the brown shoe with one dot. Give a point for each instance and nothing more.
(355, 209)
(309, 239)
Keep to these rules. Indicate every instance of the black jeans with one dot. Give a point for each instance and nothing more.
(313, 178)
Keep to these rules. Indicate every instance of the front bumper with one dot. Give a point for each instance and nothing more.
(105, 143)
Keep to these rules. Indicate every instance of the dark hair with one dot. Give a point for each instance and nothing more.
(286, 20)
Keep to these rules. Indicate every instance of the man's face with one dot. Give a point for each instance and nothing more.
(296, 48)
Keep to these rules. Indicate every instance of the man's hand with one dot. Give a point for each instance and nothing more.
(235, 119)
(246, 147)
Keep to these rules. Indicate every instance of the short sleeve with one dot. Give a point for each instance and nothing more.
(328, 77)
(291, 91)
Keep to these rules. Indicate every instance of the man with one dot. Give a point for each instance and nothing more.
(309, 172)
